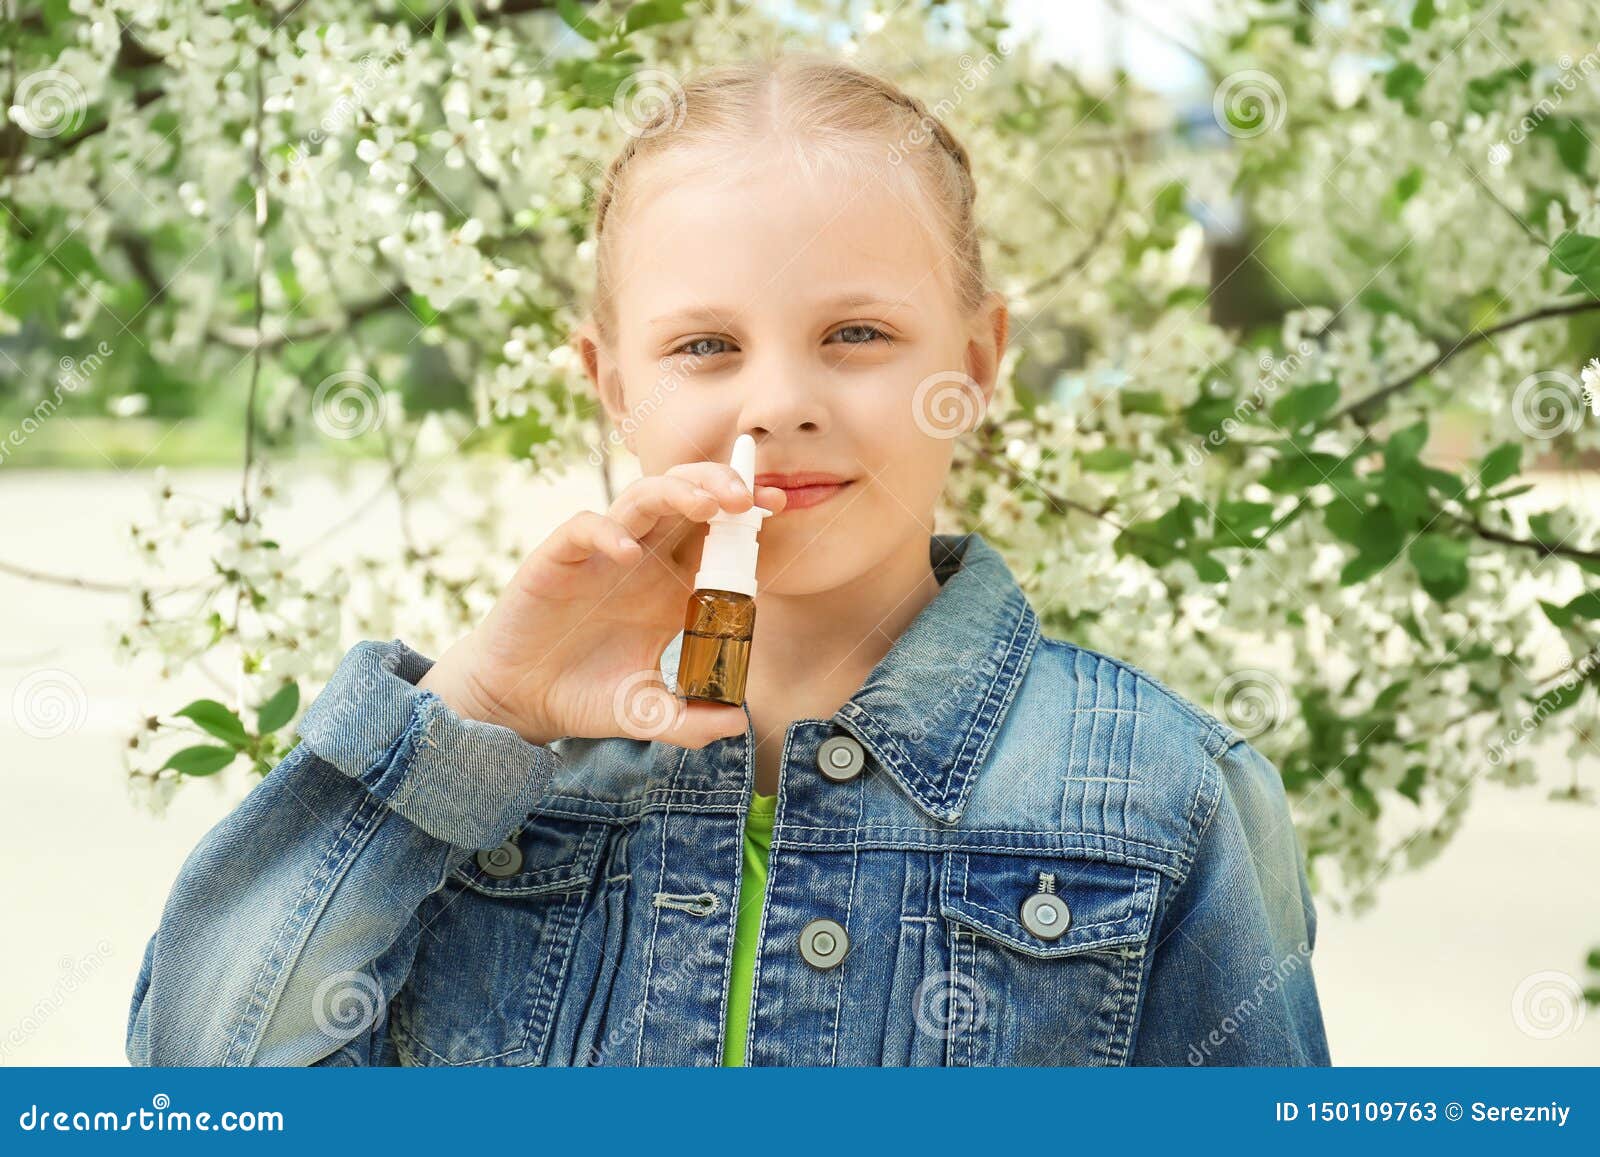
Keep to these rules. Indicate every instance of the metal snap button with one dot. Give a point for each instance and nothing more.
(823, 943)
(840, 758)
(1044, 913)
(506, 860)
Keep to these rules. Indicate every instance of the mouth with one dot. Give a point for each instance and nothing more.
(805, 489)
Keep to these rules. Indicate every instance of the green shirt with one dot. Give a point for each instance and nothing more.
(752, 893)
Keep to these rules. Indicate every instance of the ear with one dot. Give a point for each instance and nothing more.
(986, 343)
(600, 367)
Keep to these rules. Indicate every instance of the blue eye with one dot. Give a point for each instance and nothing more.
(691, 347)
(873, 333)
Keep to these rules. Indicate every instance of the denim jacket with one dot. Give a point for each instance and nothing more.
(409, 887)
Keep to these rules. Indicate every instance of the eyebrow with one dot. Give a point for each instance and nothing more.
(718, 314)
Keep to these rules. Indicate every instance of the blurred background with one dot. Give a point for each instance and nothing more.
(1300, 416)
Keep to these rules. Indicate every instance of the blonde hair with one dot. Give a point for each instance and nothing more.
(822, 109)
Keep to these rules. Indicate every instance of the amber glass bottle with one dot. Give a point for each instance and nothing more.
(715, 659)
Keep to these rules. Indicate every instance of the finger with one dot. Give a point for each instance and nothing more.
(699, 723)
(647, 501)
(586, 534)
(724, 481)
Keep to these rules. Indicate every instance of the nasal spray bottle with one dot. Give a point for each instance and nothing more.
(721, 616)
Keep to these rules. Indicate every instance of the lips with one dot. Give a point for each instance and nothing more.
(805, 488)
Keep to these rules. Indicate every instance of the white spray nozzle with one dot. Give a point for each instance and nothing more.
(728, 559)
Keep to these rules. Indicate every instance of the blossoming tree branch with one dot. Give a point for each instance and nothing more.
(1240, 327)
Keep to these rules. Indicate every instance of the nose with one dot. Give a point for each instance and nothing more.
(781, 401)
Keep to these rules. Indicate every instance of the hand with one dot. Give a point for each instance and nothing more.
(573, 645)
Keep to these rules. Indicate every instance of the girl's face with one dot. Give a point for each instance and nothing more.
(815, 313)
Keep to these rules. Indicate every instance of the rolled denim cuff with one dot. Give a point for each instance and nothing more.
(469, 783)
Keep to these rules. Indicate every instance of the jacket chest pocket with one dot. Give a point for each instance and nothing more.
(494, 947)
(1046, 956)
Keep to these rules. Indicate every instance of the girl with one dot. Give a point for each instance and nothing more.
(931, 836)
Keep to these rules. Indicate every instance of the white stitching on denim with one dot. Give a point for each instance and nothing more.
(696, 904)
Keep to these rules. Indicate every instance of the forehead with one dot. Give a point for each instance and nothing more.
(775, 235)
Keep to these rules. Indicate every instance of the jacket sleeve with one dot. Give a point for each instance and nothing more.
(1230, 974)
(292, 925)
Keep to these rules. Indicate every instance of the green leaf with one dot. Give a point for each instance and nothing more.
(1579, 255)
(1441, 563)
(202, 760)
(1561, 697)
(1499, 464)
(1403, 83)
(1405, 444)
(1206, 567)
(1142, 402)
(1207, 414)
(1422, 15)
(216, 719)
(652, 12)
(1570, 140)
(278, 710)
(1305, 404)
(1106, 458)
(1403, 493)
(1585, 606)
(577, 19)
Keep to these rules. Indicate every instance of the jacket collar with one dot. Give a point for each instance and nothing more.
(930, 710)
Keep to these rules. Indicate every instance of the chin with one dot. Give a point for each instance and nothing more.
(811, 565)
